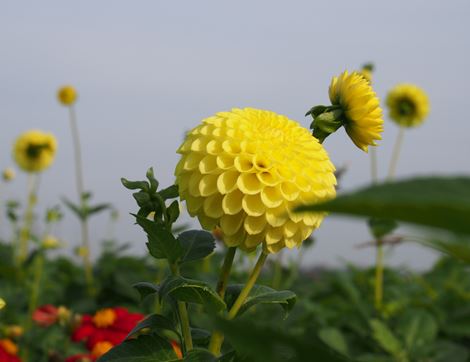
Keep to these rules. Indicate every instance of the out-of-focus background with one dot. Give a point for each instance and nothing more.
(147, 71)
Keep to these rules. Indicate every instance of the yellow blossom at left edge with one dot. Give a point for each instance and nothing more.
(34, 150)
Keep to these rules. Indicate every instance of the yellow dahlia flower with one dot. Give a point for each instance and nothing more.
(360, 106)
(245, 170)
(67, 95)
(34, 151)
(408, 105)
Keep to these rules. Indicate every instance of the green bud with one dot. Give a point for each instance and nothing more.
(326, 123)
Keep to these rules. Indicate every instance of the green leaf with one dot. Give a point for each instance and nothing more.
(261, 294)
(76, 209)
(147, 348)
(335, 339)
(97, 208)
(191, 291)
(441, 202)
(170, 192)
(418, 328)
(135, 185)
(264, 343)
(457, 248)
(173, 212)
(161, 243)
(154, 323)
(152, 180)
(145, 289)
(197, 244)
(446, 351)
(387, 340)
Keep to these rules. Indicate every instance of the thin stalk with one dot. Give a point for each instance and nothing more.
(379, 272)
(80, 190)
(25, 232)
(217, 335)
(277, 274)
(183, 316)
(396, 153)
(373, 165)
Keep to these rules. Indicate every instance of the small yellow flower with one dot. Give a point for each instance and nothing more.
(360, 107)
(2, 303)
(8, 174)
(50, 242)
(408, 105)
(245, 170)
(67, 95)
(34, 151)
(14, 331)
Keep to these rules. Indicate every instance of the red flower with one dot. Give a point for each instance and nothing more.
(8, 351)
(46, 315)
(110, 324)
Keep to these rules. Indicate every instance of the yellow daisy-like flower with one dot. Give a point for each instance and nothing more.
(360, 106)
(245, 170)
(408, 105)
(34, 151)
(67, 95)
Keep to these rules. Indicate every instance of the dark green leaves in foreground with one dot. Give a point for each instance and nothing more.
(261, 294)
(441, 202)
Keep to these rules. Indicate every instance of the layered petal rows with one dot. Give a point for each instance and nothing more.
(245, 170)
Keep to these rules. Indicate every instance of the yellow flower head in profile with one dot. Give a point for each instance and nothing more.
(408, 105)
(34, 151)
(245, 170)
(366, 74)
(361, 112)
(67, 95)
(8, 174)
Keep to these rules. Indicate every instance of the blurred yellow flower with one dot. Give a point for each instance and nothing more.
(14, 331)
(408, 105)
(245, 170)
(100, 348)
(50, 242)
(2, 303)
(34, 151)
(366, 74)
(8, 174)
(360, 107)
(67, 95)
(8, 346)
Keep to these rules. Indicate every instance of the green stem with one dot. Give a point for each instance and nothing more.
(217, 335)
(379, 270)
(396, 153)
(25, 231)
(183, 316)
(373, 165)
(277, 274)
(80, 190)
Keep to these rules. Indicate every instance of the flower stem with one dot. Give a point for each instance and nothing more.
(277, 274)
(80, 190)
(217, 336)
(396, 153)
(25, 231)
(379, 270)
(225, 272)
(183, 316)
(373, 165)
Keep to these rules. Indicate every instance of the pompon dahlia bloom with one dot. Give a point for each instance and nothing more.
(8, 351)
(110, 325)
(362, 115)
(408, 105)
(245, 170)
(34, 151)
(67, 95)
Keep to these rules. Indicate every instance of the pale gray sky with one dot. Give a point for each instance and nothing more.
(148, 70)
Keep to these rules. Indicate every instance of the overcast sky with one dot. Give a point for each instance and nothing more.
(147, 71)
